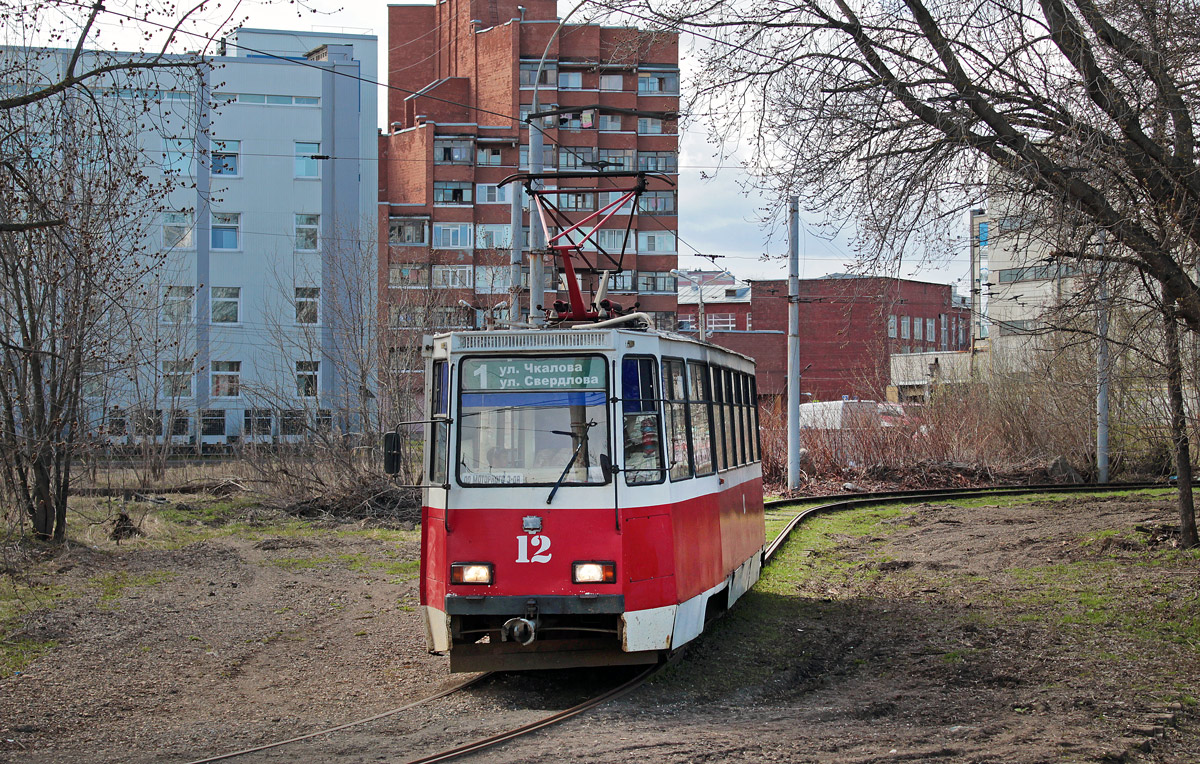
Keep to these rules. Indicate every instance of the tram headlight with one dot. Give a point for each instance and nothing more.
(591, 572)
(471, 573)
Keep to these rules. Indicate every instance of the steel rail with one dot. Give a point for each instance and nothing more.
(504, 737)
(358, 722)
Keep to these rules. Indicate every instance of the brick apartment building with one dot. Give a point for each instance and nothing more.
(467, 69)
(849, 328)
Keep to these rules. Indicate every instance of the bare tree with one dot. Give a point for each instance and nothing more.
(75, 204)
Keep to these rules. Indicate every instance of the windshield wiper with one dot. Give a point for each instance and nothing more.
(574, 456)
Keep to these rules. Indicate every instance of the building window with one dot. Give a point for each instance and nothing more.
(487, 193)
(147, 422)
(917, 333)
(493, 279)
(178, 154)
(308, 305)
(306, 378)
(226, 379)
(226, 305)
(493, 236)
(649, 126)
(576, 201)
(177, 230)
(529, 72)
(621, 282)
(658, 82)
(609, 197)
(929, 329)
(547, 156)
(452, 151)
(657, 203)
(892, 327)
(489, 156)
(307, 164)
(408, 275)
(453, 318)
(212, 422)
(654, 281)
(720, 321)
(663, 320)
(576, 158)
(257, 422)
(656, 242)
(225, 157)
(447, 192)
(178, 304)
(609, 123)
(452, 276)
(452, 235)
(904, 330)
(306, 232)
(613, 239)
(616, 159)
(226, 228)
(292, 422)
(612, 82)
(177, 379)
(658, 161)
(406, 231)
(749, 325)
(181, 423)
(570, 80)
(944, 336)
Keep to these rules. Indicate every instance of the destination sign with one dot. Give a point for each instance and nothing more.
(566, 373)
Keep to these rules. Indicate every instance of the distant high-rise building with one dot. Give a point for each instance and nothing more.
(463, 74)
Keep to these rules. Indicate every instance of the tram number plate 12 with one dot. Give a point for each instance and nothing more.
(541, 548)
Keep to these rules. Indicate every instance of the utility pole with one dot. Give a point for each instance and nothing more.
(793, 366)
(1102, 375)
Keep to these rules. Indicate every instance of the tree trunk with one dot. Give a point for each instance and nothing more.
(43, 498)
(1179, 436)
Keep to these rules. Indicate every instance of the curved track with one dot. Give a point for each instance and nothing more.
(830, 504)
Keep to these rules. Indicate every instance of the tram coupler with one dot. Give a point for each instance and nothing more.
(521, 630)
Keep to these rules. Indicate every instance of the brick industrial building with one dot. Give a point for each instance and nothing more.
(465, 72)
(849, 328)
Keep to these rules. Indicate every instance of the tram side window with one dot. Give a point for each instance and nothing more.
(719, 426)
(675, 407)
(700, 412)
(439, 408)
(740, 400)
(731, 436)
(752, 392)
(640, 422)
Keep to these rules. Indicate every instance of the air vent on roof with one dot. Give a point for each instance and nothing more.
(533, 340)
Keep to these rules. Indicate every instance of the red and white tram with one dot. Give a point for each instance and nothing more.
(595, 495)
(593, 491)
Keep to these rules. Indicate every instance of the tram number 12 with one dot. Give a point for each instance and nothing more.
(541, 548)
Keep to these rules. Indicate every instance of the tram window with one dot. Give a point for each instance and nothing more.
(527, 421)
(740, 400)
(747, 434)
(700, 413)
(718, 408)
(640, 421)
(675, 407)
(755, 435)
(731, 438)
(439, 408)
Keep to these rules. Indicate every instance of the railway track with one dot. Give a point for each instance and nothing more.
(827, 504)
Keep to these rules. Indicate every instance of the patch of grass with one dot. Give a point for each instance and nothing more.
(113, 585)
(299, 563)
(18, 652)
(393, 566)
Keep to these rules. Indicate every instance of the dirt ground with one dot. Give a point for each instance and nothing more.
(1056, 631)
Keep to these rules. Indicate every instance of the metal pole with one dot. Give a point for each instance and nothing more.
(700, 308)
(793, 365)
(1102, 374)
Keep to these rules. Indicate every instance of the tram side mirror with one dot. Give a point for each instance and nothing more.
(606, 467)
(391, 452)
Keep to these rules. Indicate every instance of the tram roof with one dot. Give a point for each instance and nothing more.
(582, 339)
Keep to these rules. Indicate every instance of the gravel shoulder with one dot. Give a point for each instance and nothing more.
(1058, 630)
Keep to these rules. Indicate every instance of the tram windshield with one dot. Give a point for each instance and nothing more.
(526, 421)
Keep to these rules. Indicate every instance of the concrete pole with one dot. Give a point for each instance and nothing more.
(793, 365)
(1102, 377)
(516, 221)
(700, 308)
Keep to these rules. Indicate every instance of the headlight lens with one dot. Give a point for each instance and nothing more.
(471, 573)
(594, 572)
